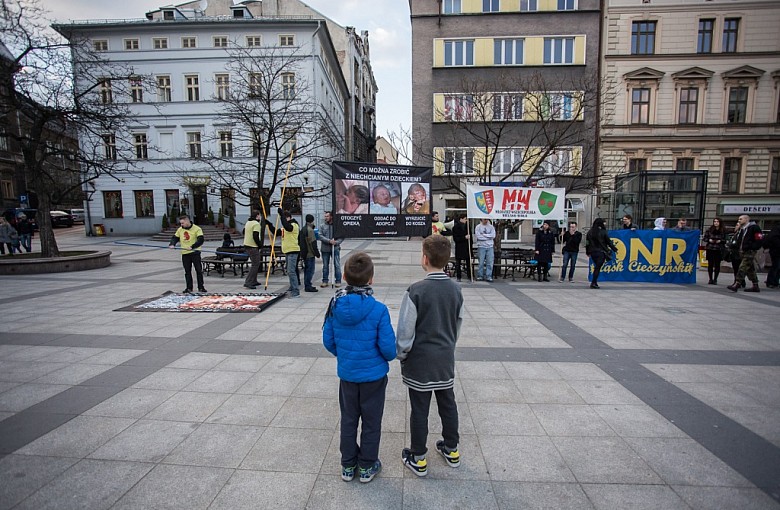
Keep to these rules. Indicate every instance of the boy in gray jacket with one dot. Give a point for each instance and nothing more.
(428, 326)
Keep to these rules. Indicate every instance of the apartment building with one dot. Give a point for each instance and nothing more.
(187, 133)
(693, 87)
(505, 91)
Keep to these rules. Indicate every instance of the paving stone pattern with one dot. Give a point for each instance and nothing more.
(631, 396)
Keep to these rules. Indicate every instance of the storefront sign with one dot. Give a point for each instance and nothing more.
(752, 209)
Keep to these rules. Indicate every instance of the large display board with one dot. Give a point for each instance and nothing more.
(374, 200)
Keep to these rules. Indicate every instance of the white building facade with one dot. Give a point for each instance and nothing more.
(185, 62)
(695, 86)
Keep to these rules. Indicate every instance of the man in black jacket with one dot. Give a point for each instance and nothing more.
(571, 249)
(772, 243)
(749, 240)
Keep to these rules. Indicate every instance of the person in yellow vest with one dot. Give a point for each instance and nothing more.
(191, 238)
(289, 232)
(252, 232)
(437, 226)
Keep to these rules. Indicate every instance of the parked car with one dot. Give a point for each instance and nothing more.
(61, 219)
(12, 213)
(78, 215)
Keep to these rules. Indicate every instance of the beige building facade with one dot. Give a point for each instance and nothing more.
(691, 85)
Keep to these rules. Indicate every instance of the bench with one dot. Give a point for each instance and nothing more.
(233, 257)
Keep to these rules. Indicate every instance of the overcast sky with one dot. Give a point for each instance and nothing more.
(387, 22)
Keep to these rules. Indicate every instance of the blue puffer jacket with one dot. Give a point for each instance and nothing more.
(359, 333)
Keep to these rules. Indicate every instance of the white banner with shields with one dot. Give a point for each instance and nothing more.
(507, 203)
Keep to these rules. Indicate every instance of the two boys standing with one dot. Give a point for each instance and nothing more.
(358, 332)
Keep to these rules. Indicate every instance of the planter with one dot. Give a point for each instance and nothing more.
(83, 262)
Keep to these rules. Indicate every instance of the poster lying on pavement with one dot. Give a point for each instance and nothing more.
(206, 302)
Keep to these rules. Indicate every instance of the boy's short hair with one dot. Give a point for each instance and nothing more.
(359, 268)
(437, 248)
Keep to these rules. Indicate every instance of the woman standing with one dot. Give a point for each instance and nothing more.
(8, 237)
(714, 238)
(460, 234)
(599, 248)
(544, 247)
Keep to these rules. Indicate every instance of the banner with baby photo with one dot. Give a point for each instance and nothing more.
(375, 200)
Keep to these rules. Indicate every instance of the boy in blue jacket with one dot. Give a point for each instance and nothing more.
(357, 330)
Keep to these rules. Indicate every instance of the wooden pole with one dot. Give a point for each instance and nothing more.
(471, 255)
(276, 225)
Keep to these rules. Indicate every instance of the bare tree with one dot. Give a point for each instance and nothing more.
(511, 128)
(268, 113)
(49, 110)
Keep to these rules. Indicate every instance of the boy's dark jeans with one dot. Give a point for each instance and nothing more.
(418, 420)
(366, 402)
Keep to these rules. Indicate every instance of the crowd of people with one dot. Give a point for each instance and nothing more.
(16, 234)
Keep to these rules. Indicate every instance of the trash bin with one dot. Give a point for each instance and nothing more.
(100, 230)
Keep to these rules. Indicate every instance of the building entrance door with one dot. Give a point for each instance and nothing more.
(200, 205)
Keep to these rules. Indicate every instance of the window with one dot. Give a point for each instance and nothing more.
(253, 41)
(168, 15)
(255, 148)
(557, 162)
(100, 45)
(508, 107)
(506, 161)
(684, 164)
(774, 176)
(144, 204)
(490, 5)
(451, 7)
(220, 41)
(141, 146)
(458, 108)
(160, 43)
(288, 85)
(731, 175)
(459, 53)
(112, 204)
(131, 44)
(222, 82)
(286, 40)
(458, 161)
(640, 106)
(689, 105)
(508, 52)
(566, 5)
(643, 37)
(192, 86)
(737, 113)
(136, 90)
(226, 144)
(557, 107)
(109, 146)
(730, 33)
(3, 140)
(104, 89)
(193, 144)
(637, 165)
(7, 189)
(255, 85)
(558, 50)
(528, 5)
(189, 42)
(164, 89)
(290, 144)
(704, 43)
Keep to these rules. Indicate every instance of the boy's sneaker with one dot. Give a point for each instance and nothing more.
(451, 456)
(348, 473)
(418, 465)
(368, 474)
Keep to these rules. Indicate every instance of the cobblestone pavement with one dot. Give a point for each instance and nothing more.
(638, 396)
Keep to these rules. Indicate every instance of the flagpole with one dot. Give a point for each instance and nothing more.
(276, 225)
